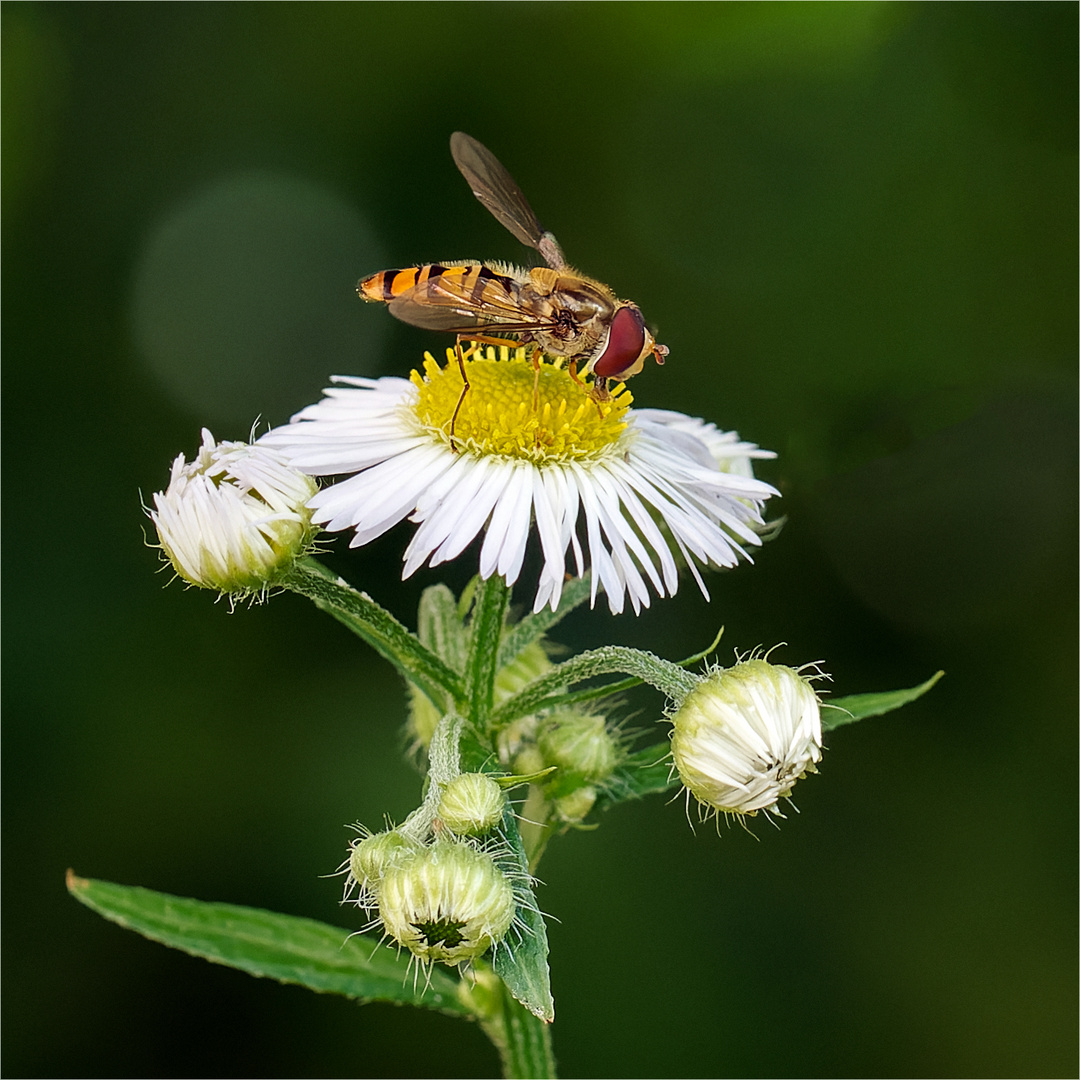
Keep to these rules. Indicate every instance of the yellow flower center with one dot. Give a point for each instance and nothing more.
(516, 410)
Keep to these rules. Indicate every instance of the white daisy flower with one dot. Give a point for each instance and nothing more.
(529, 447)
(234, 517)
(743, 736)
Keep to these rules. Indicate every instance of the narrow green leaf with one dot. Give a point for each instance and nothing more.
(533, 626)
(377, 627)
(847, 710)
(523, 964)
(486, 628)
(263, 943)
(440, 628)
(690, 660)
(646, 772)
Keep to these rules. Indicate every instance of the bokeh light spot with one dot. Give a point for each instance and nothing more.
(243, 301)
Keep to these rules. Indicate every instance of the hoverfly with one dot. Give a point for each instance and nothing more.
(561, 312)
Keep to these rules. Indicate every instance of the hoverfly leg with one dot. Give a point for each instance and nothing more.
(459, 353)
(510, 343)
(597, 393)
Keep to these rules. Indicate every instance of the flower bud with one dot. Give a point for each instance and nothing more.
(235, 517)
(580, 746)
(575, 807)
(371, 857)
(447, 902)
(528, 761)
(471, 804)
(482, 994)
(529, 664)
(743, 736)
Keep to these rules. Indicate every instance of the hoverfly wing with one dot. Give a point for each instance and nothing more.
(461, 322)
(453, 301)
(435, 318)
(497, 190)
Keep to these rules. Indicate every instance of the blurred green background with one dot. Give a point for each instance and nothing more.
(853, 224)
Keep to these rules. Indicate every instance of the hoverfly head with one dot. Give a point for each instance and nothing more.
(627, 345)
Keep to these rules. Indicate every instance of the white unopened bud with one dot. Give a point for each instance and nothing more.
(448, 902)
(471, 804)
(743, 736)
(235, 517)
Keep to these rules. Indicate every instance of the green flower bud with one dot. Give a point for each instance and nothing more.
(448, 902)
(580, 746)
(371, 857)
(575, 807)
(529, 760)
(482, 993)
(529, 664)
(471, 804)
(743, 737)
(235, 518)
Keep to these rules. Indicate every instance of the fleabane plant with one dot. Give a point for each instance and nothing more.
(494, 452)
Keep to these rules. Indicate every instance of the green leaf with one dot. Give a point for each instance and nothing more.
(847, 710)
(375, 625)
(292, 950)
(646, 772)
(523, 964)
(486, 628)
(440, 628)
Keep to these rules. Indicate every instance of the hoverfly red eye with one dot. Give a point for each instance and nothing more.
(625, 343)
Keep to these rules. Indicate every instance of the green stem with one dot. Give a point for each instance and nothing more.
(488, 616)
(550, 689)
(593, 693)
(523, 1040)
(379, 629)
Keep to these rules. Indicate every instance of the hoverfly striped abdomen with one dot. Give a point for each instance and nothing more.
(478, 281)
(388, 284)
